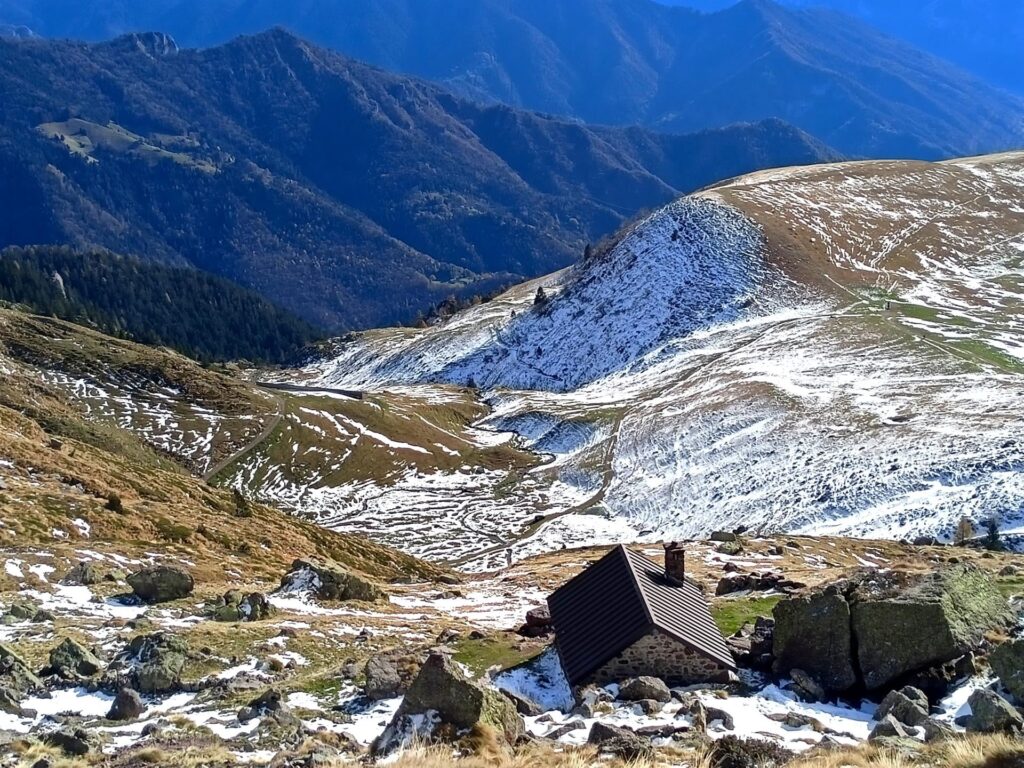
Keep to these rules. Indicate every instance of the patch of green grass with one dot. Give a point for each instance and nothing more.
(730, 615)
(1011, 585)
(501, 650)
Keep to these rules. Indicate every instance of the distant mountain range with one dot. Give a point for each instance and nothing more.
(351, 196)
(623, 61)
(982, 36)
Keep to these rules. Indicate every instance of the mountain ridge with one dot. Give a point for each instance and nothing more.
(634, 61)
(346, 194)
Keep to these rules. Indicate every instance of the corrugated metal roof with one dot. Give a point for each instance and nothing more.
(618, 600)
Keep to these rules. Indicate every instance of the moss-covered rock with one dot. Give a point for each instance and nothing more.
(161, 583)
(812, 633)
(71, 660)
(926, 623)
(878, 628)
(330, 581)
(15, 675)
(150, 664)
(460, 703)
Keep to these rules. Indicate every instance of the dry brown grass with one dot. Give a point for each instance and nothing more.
(976, 751)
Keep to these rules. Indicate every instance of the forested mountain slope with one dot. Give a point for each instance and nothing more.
(348, 195)
(628, 61)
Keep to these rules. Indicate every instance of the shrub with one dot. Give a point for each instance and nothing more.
(734, 752)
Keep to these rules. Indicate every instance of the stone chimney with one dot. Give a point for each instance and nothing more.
(675, 561)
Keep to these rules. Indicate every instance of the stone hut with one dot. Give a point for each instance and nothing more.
(625, 616)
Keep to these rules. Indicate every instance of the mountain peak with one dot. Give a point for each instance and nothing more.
(153, 44)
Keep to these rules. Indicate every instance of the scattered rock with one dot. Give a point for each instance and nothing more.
(84, 574)
(713, 714)
(267, 703)
(798, 720)
(564, 730)
(888, 727)
(73, 742)
(730, 548)
(645, 687)
(71, 660)
(330, 581)
(150, 664)
(523, 705)
(807, 687)
(619, 742)
(382, 679)
(237, 606)
(649, 706)
(908, 705)
(15, 675)
(539, 618)
(991, 713)
(128, 705)
(934, 730)
(443, 688)
(722, 536)
(161, 583)
(22, 611)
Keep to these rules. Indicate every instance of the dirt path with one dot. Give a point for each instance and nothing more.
(252, 444)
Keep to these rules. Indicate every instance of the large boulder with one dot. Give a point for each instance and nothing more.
(1007, 661)
(382, 680)
(161, 583)
(880, 628)
(812, 633)
(991, 713)
(71, 660)
(929, 622)
(150, 664)
(330, 581)
(441, 687)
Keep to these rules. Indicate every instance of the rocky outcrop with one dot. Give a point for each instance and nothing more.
(878, 628)
(161, 583)
(751, 645)
(1007, 661)
(72, 661)
(330, 581)
(460, 703)
(150, 664)
(235, 605)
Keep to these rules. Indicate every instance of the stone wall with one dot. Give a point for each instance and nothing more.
(660, 655)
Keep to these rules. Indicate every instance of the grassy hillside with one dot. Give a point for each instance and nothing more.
(61, 465)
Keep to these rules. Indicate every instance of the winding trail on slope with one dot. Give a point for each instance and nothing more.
(267, 431)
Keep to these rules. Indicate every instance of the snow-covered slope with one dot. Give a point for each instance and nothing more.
(832, 348)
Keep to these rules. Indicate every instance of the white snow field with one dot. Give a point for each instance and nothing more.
(831, 349)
